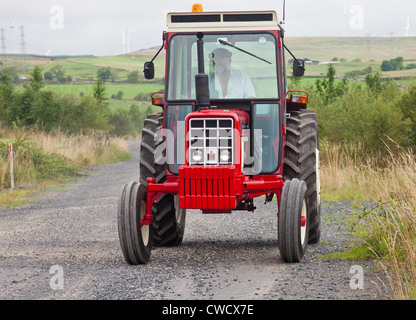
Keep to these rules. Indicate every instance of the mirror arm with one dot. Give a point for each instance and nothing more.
(300, 64)
(163, 44)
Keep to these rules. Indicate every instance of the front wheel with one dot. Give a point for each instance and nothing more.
(135, 239)
(302, 162)
(168, 217)
(293, 221)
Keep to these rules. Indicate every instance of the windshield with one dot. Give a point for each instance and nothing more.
(240, 66)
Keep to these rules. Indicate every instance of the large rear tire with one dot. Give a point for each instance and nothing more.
(135, 240)
(168, 217)
(293, 221)
(302, 162)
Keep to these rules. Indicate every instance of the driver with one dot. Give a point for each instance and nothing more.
(226, 82)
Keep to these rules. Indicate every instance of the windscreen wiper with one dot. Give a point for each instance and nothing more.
(226, 43)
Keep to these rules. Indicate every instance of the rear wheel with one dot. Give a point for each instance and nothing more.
(302, 162)
(135, 239)
(293, 222)
(168, 217)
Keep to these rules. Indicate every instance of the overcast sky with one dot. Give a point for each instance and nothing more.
(72, 27)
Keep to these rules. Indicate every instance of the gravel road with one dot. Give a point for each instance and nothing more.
(64, 245)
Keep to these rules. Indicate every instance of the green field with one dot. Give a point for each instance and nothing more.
(129, 90)
(352, 54)
(364, 49)
(85, 69)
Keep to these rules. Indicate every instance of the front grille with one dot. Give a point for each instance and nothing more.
(207, 187)
(211, 141)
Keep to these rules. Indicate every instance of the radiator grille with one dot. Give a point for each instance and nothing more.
(211, 141)
(207, 187)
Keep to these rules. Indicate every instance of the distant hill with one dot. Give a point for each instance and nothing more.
(365, 49)
(349, 48)
(148, 51)
(352, 54)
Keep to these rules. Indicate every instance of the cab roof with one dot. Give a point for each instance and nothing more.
(222, 21)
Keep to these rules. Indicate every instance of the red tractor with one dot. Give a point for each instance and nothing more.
(224, 137)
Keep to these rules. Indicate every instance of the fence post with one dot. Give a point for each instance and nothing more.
(11, 166)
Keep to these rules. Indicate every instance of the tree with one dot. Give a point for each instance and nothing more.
(99, 91)
(11, 72)
(21, 113)
(57, 71)
(24, 101)
(327, 87)
(36, 81)
(133, 77)
(373, 82)
(6, 97)
(6, 87)
(48, 76)
(407, 105)
(392, 64)
(104, 74)
(45, 111)
(122, 123)
(118, 96)
(398, 63)
(386, 66)
(82, 114)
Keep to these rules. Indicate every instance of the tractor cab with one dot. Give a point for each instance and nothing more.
(240, 65)
(225, 61)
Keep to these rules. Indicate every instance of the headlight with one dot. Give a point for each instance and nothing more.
(197, 155)
(225, 156)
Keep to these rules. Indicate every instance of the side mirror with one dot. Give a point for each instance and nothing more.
(298, 68)
(149, 70)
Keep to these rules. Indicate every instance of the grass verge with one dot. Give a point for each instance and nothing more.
(42, 160)
(385, 228)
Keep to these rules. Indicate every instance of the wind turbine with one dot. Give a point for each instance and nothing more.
(407, 28)
(344, 20)
(123, 43)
